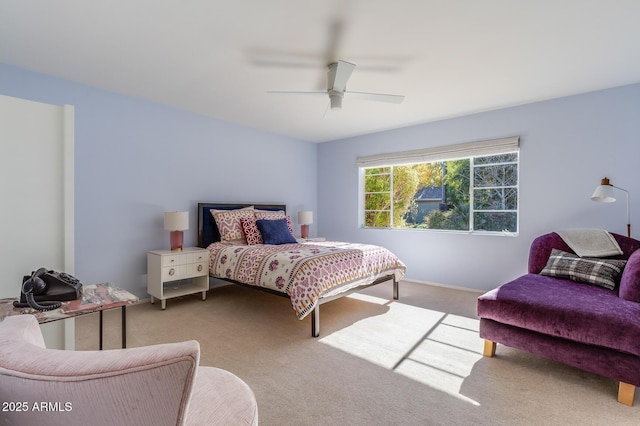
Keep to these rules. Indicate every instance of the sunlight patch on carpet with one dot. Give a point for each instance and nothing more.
(445, 358)
(385, 339)
(368, 298)
(434, 348)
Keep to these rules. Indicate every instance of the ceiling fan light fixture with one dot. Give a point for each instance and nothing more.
(336, 99)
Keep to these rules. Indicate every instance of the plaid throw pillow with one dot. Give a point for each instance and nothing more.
(589, 270)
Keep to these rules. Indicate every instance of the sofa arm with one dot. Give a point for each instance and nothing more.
(630, 281)
(541, 250)
(24, 328)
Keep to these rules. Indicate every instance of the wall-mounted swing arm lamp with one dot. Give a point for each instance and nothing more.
(604, 194)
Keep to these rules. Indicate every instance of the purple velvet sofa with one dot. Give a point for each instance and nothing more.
(584, 326)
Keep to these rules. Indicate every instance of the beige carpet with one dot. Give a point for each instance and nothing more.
(415, 361)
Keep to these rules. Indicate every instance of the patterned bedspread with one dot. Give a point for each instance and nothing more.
(305, 272)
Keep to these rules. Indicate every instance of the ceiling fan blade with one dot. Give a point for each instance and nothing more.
(327, 110)
(339, 74)
(336, 33)
(285, 58)
(380, 97)
(293, 92)
(380, 68)
(286, 64)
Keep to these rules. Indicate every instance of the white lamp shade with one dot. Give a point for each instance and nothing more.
(176, 221)
(603, 194)
(305, 218)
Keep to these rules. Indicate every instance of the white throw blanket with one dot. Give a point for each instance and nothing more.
(590, 242)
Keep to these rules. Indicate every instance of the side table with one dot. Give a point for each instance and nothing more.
(95, 298)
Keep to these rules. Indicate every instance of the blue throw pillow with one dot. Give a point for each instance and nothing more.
(275, 231)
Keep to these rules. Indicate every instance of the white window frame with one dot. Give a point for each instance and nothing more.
(444, 153)
(473, 188)
(390, 195)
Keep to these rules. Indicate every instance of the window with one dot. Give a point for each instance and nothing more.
(466, 187)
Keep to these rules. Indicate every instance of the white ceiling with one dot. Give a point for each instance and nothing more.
(219, 58)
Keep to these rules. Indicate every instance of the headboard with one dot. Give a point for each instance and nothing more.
(208, 230)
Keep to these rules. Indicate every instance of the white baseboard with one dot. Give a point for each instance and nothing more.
(453, 287)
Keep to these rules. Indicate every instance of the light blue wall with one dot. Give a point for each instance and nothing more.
(136, 159)
(567, 146)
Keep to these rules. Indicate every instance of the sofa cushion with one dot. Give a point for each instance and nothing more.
(566, 309)
(601, 272)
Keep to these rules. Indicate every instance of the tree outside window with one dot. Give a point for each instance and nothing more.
(470, 194)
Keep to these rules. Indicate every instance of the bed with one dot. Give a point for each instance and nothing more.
(309, 273)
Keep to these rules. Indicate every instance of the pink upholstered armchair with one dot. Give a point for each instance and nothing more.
(153, 385)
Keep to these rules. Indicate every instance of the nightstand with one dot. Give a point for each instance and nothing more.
(166, 269)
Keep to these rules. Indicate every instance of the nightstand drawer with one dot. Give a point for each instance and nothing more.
(174, 259)
(184, 259)
(172, 273)
(198, 268)
(179, 272)
(198, 257)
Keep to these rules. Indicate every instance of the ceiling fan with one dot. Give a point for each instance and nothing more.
(338, 75)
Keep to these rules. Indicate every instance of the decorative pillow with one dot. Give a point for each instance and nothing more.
(275, 231)
(288, 219)
(274, 214)
(228, 222)
(269, 214)
(251, 231)
(589, 270)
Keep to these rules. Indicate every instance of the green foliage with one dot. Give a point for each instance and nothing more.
(377, 201)
(495, 188)
(495, 221)
(405, 184)
(429, 174)
(379, 181)
(377, 219)
(394, 189)
(455, 219)
(457, 181)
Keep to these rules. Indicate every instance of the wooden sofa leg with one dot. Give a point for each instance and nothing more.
(489, 348)
(626, 393)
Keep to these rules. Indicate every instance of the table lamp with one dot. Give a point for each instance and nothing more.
(176, 222)
(305, 219)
